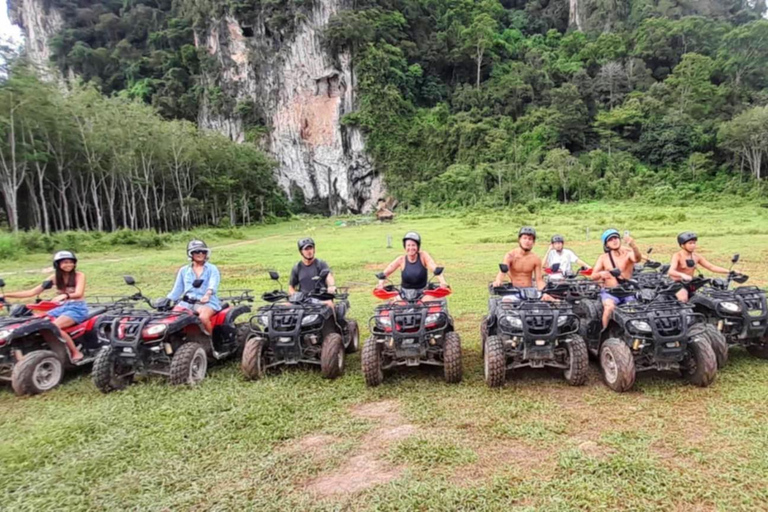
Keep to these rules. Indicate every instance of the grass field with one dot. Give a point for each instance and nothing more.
(294, 441)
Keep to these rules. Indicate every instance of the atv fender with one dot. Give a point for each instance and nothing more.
(236, 312)
(50, 334)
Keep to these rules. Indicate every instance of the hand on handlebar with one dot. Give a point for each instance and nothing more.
(497, 283)
(331, 289)
(686, 278)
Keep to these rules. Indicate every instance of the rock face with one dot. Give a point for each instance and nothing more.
(40, 23)
(302, 93)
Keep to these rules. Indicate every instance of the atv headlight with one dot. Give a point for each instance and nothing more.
(5, 333)
(263, 320)
(309, 319)
(433, 318)
(155, 330)
(512, 322)
(384, 320)
(731, 307)
(641, 326)
(561, 321)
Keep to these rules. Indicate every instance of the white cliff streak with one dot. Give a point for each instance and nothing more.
(40, 24)
(574, 16)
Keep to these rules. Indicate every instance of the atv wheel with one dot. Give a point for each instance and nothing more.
(189, 365)
(590, 313)
(578, 361)
(617, 364)
(484, 330)
(452, 368)
(241, 336)
(701, 368)
(715, 339)
(494, 362)
(371, 363)
(759, 349)
(254, 361)
(354, 335)
(108, 374)
(332, 356)
(38, 372)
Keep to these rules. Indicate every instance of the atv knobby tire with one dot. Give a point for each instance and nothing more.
(189, 364)
(715, 339)
(354, 337)
(370, 361)
(254, 360)
(578, 361)
(332, 356)
(702, 364)
(107, 375)
(452, 367)
(494, 362)
(617, 365)
(484, 330)
(241, 336)
(38, 372)
(759, 350)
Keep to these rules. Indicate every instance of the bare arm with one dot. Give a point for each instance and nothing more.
(583, 263)
(712, 268)
(598, 269)
(636, 255)
(538, 275)
(428, 262)
(37, 290)
(500, 276)
(391, 268)
(330, 283)
(546, 254)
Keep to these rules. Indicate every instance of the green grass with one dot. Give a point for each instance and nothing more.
(536, 444)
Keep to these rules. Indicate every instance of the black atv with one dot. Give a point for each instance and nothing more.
(300, 329)
(33, 355)
(736, 316)
(413, 328)
(651, 274)
(524, 330)
(169, 341)
(654, 332)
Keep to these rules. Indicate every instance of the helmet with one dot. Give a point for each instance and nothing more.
(558, 239)
(303, 243)
(608, 234)
(414, 236)
(527, 230)
(198, 245)
(61, 256)
(685, 237)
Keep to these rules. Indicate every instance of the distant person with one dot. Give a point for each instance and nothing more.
(557, 254)
(524, 265)
(208, 303)
(615, 257)
(684, 262)
(70, 285)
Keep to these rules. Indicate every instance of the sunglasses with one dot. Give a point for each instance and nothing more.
(199, 252)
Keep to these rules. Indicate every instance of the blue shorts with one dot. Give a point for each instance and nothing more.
(77, 310)
(604, 296)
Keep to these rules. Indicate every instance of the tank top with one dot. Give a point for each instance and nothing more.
(414, 275)
(70, 286)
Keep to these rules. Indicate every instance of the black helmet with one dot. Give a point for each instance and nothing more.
(61, 256)
(527, 230)
(198, 246)
(685, 237)
(412, 235)
(303, 243)
(558, 239)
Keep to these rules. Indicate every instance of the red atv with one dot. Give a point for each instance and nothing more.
(411, 331)
(33, 356)
(167, 340)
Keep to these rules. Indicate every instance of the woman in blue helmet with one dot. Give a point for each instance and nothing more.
(614, 256)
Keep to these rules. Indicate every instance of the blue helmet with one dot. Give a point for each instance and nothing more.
(608, 234)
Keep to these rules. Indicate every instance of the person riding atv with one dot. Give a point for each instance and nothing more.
(557, 257)
(207, 303)
(522, 264)
(305, 274)
(684, 263)
(615, 257)
(70, 288)
(414, 265)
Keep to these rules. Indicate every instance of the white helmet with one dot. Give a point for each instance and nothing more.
(61, 256)
(198, 246)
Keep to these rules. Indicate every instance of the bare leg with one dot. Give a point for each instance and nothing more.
(62, 323)
(206, 314)
(608, 307)
(682, 295)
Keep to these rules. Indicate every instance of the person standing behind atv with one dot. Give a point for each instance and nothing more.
(558, 255)
(415, 265)
(208, 303)
(615, 257)
(523, 264)
(71, 287)
(684, 263)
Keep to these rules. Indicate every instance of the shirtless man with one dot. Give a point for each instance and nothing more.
(523, 264)
(619, 257)
(684, 263)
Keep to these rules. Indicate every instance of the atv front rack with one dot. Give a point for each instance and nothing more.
(669, 321)
(540, 319)
(408, 320)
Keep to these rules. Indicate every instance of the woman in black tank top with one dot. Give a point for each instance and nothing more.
(414, 265)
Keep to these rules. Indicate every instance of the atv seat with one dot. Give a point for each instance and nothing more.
(92, 312)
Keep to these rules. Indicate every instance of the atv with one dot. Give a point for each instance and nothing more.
(736, 316)
(167, 340)
(34, 356)
(523, 329)
(413, 328)
(654, 332)
(651, 274)
(300, 329)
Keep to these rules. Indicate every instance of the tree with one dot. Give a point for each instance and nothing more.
(478, 38)
(744, 54)
(690, 82)
(747, 136)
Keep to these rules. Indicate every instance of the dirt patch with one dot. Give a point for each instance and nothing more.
(596, 450)
(494, 457)
(366, 467)
(317, 446)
